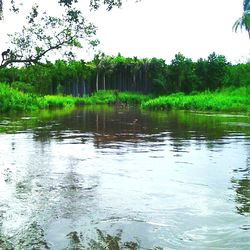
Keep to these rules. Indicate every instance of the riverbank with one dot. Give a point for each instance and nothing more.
(229, 100)
(15, 100)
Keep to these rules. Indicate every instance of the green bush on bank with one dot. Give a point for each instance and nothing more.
(23, 87)
(114, 97)
(14, 100)
(60, 101)
(232, 99)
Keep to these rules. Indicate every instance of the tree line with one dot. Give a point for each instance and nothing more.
(148, 76)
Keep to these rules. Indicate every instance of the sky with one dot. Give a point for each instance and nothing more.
(162, 28)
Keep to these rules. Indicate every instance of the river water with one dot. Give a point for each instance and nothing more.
(80, 179)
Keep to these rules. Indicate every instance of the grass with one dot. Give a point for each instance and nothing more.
(100, 97)
(14, 100)
(60, 101)
(114, 97)
(231, 100)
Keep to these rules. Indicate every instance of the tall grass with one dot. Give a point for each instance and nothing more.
(114, 97)
(14, 100)
(60, 101)
(233, 99)
(230, 99)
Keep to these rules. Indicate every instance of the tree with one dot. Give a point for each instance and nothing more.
(212, 72)
(244, 20)
(157, 74)
(181, 74)
(44, 33)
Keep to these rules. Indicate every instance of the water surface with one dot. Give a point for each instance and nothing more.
(176, 180)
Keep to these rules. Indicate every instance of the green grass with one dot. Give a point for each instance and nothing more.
(232, 100)
(14, 100)
(60, 101)
(113, 97)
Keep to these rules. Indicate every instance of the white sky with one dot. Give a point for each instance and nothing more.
(162, 28)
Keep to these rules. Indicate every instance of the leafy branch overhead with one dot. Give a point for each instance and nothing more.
(43, 33)
(93, 4)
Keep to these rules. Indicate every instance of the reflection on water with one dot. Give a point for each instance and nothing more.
(108, 178)
(241, 185)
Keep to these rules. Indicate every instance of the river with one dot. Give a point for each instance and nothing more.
(105, 176)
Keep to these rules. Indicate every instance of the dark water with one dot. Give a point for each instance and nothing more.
(84, 178)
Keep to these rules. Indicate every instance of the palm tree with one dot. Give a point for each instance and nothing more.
(244, 21)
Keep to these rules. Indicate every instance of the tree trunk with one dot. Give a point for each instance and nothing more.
(104, 81)
(97, 82)
(84, 87)
(77, 86)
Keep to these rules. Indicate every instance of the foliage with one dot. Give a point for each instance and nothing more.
(60, 101)
(180, 74)
(211, 73)
(130, 77)
(238, 75)
(224, 100)
(228, 99)
(244, 20)
(148, 76)
(44, 33)
(23, 87)
(114, 97)
(14, 100)
(157, 75)
(65, 30)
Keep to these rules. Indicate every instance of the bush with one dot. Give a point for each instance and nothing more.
(232, 99)
(24, 87)
(14, 100)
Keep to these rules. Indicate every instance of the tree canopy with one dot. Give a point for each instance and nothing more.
(44, 33)
(94, 4)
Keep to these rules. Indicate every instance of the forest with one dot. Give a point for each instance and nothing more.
(146, 76)
(207, 84)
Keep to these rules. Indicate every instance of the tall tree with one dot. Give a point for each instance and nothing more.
(244, 21)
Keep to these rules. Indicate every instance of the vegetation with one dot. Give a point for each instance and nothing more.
(114, 97)
(13, 100)
(230, 99)
(225, 100)
(147, 76)
(244, 20)
(45, 32)
(182, 84)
